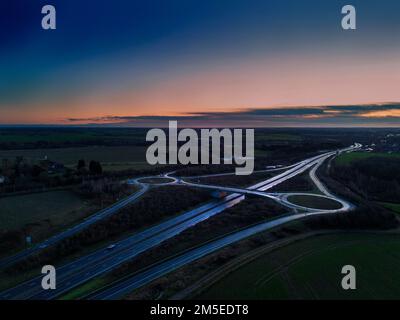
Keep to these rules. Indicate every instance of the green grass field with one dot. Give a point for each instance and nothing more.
(391, 206)
(311, 269)
(278, 137)
(54, 137)
(84, 289)
(58, 135)
(314, 202)
(347, 158)
(46, 210)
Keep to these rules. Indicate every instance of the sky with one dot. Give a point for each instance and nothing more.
(241, 63)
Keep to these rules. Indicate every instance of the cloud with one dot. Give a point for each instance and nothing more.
(390, 113)
(334, 115)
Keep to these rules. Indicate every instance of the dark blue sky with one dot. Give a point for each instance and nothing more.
(128, 56)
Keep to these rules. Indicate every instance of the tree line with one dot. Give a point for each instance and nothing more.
(374, 178)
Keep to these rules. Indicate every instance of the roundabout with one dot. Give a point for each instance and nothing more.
(156, 180)
(314, 202)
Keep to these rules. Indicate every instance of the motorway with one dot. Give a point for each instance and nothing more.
(125, 286)
(85, 268)
(103, 260)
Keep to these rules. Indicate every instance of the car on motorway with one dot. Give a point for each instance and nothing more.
(111, 246)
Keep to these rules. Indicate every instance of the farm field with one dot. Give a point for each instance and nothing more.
(70, 135)
(278, 137)
(311, 269)
(125, 156)
(347, 158)
(41, 210)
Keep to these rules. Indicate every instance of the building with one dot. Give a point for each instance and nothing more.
(52, 166)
